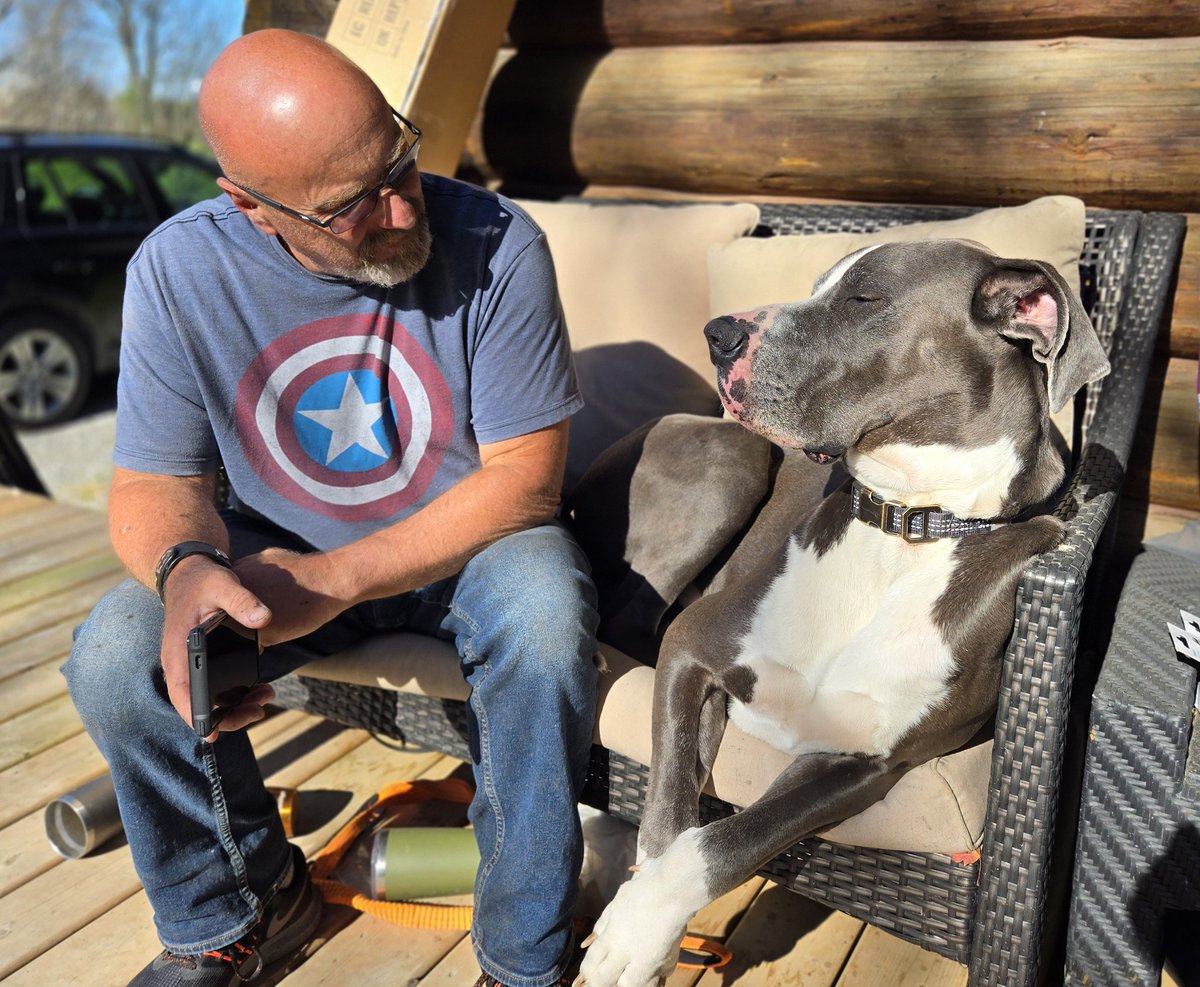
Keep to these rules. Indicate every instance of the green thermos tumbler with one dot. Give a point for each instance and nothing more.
(423, 862)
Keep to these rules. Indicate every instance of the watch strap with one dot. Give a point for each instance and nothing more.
(177, 553)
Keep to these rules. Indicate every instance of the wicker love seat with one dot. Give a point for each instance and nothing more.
(982, 898)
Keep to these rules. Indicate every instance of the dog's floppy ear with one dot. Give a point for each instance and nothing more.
(1030, 300)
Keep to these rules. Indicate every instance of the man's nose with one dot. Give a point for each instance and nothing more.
(394, 210)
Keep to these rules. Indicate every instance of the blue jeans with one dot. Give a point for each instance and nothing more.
(206, 837)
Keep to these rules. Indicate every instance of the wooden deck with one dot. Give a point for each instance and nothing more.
(87, 922)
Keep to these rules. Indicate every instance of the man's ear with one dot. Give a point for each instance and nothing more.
(249, 206)
(1029, 300)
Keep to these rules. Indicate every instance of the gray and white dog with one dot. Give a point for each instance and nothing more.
(855, 618)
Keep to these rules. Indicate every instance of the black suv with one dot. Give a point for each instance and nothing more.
(73, 209)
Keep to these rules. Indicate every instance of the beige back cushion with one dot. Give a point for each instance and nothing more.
(638, 272)
(756, 271)
(761, 271)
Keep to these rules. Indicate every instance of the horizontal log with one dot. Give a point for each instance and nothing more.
(620, 23)
(1114, 122)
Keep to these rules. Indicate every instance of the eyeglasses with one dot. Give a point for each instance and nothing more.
(361, 206)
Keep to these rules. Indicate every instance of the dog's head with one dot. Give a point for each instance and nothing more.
(932, 366)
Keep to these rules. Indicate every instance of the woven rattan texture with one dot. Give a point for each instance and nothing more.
(1127, 267)
(1138, 851)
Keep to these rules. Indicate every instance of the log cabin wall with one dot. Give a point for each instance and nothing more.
(978, 102)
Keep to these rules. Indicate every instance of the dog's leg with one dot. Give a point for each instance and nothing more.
(689, 719)
(637, 938)
(649, 527)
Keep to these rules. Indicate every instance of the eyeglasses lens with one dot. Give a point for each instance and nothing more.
(361, 209)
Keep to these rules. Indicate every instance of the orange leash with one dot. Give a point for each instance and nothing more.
(424, 915)
(415, 915)
(694, 944)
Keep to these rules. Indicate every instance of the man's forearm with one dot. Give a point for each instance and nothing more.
(147, 514)
(437, 541)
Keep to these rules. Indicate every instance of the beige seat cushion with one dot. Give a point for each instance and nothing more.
(762, 271)
(936, 808)
(638, 272)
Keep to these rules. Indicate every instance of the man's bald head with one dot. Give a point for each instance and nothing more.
(276, 101)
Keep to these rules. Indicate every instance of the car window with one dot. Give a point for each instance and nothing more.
(81, 191)
(181, 182)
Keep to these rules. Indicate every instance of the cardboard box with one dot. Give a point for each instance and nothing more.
(431, 58)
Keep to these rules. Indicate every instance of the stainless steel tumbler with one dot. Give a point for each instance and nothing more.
(83, 819)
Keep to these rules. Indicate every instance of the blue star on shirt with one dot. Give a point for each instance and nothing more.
(345, 422)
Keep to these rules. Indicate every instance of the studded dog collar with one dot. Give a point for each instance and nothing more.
(913, 524)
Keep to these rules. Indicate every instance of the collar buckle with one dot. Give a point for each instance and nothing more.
(907, 518)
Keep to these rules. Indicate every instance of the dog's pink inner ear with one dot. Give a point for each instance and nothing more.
(1038, 308)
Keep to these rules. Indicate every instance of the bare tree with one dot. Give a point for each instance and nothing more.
(166, 45)
(136, 23)
(46, 80)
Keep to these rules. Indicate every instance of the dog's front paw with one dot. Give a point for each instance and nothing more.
(634, 944)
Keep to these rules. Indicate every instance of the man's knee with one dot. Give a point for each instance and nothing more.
(115, 656)
(540, 597)
(543, 562)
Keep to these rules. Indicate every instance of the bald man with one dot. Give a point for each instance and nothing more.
(378, 360)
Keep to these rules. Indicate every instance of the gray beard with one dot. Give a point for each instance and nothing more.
(413, 256)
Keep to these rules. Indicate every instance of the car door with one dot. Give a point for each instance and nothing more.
(80, 215)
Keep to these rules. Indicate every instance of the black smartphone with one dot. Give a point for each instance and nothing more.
(222, 667)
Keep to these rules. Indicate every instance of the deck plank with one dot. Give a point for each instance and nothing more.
(36, 647)
(32, 783)
(32, 687)
(785, 938)
(19, 536)
(882, 960)
(69, 605)
(37, 730)
(14, 500)
(57, 578)
(37, 915)
(54, 554)
(103, 953)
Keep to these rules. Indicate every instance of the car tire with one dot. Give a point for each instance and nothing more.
(45, 370)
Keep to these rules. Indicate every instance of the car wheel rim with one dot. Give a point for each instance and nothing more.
(39, 375)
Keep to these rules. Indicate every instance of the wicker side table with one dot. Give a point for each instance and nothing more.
(1138, 850)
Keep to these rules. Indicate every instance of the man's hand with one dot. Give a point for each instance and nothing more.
(196, 589)
(301, 590)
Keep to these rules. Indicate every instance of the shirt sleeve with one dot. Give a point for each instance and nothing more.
(162, 423)
(522, 375)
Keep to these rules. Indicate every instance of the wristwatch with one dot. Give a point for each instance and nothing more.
(177, 553)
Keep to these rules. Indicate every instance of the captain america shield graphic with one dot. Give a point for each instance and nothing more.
(348, 417)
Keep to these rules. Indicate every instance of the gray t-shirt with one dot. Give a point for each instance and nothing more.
(338, 408)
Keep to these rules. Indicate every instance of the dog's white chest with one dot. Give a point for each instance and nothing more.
(844, 648)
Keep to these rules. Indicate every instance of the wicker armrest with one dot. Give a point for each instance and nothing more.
(1052, 618)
